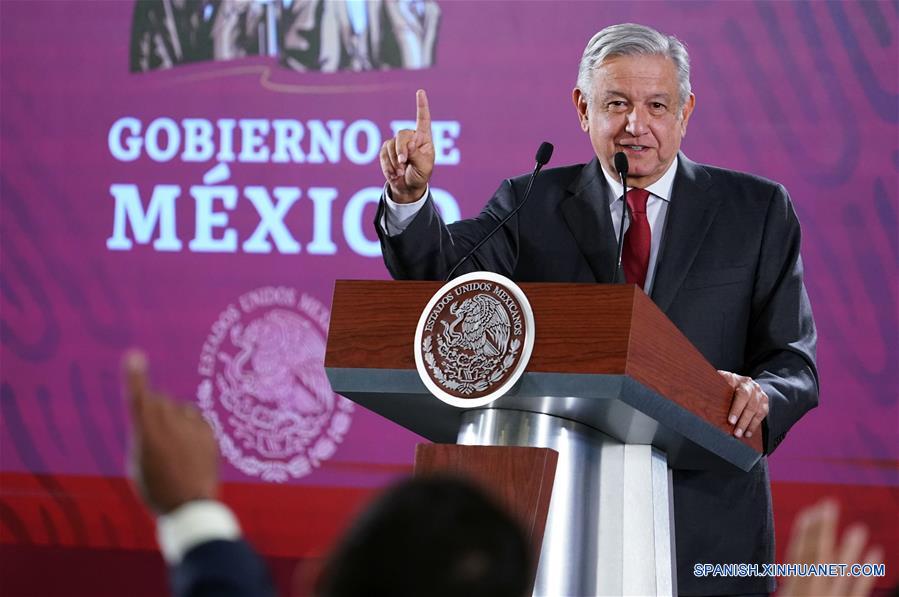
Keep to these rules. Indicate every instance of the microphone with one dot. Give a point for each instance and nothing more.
(621, 166)
(544, 152)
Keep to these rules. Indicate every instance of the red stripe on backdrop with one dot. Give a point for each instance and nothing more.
(282, 520)
(87, 572)
(286, 523)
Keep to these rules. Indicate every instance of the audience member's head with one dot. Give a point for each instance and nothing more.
(435, 537)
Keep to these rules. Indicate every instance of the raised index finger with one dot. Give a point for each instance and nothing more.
(136, 382)
(422, 113)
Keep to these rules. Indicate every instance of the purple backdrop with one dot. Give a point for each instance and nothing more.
(801, 92)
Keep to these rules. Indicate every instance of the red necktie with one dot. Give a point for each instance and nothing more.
(635, 257)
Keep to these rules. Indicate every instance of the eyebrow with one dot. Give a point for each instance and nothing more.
(613, 94)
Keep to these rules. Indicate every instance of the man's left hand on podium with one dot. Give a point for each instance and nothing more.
(750, 404)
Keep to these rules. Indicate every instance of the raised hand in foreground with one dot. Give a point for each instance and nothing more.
(174, 456)
(813, 540)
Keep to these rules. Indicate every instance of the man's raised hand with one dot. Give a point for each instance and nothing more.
(407, 160)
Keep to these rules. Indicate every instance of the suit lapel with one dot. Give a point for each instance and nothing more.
(586, 211)
(692, 209)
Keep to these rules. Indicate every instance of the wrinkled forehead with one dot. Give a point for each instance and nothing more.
(642, 74)
(638, 65)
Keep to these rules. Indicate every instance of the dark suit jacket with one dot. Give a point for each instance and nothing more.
(728, 275)
(221, 569)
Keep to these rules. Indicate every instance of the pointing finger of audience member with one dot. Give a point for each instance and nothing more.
(853, 544)
(828, 514)
(863, 585)
(799, 546)
(850, 552)
(137, 388)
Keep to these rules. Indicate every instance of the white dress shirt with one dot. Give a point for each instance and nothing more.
(398, 216)
(656, 213)
(191, 524)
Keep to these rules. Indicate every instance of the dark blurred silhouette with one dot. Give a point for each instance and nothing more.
(439, 537)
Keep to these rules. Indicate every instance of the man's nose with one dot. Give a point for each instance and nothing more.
(636, 122)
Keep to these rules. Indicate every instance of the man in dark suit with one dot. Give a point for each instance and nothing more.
(717, 250)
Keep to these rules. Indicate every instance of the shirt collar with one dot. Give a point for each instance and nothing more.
(660, 188)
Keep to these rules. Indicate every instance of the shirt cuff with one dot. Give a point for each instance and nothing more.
(194, 523)
(398, 216)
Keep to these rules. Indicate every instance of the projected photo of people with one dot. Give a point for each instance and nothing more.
(167, 33)
(305, 35)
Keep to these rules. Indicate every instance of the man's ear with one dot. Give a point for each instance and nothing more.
(580, 104)
(686, 112)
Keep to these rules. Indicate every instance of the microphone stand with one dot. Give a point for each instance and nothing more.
(623, 174)
(543, 154)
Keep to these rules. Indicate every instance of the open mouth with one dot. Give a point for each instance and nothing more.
(635, 148)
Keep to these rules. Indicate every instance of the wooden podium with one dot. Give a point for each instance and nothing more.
(612, 386)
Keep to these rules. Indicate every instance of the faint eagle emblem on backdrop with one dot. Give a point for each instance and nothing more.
(265, 390)
(474, 339)
(305, 35)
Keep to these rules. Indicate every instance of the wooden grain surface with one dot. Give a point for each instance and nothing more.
(580, 328)
(663, 359)
(373, 325)
(520, 479)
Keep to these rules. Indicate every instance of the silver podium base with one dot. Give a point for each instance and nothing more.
(610, 529)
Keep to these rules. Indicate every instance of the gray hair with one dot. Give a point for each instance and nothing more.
(630, 39)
